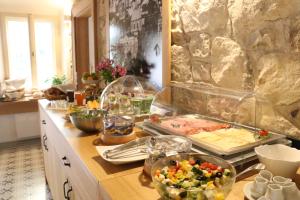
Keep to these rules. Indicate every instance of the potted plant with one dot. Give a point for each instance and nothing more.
(57, 80)
(90, 78)
(109, 71)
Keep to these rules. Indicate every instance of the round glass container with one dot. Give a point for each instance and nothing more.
(218, 191)
(124, 99)
(161, 146)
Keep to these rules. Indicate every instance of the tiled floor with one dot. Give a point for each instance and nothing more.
(22, 172)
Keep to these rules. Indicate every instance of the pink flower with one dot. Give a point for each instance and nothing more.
(109, 70)
(119, 71)
(106, 64)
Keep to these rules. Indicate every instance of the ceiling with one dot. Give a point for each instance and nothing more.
(46, 7)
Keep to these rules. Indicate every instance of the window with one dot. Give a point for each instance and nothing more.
(45, 51)
(30, 49)
(67, 48)
(18, 47)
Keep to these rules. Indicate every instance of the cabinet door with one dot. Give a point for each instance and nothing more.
(66, 182)
(48, 152)
(27, 125)
(63, 185)
(45, 146)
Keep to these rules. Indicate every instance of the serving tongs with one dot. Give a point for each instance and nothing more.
(134, 148)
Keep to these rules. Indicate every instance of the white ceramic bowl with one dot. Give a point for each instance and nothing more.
(280, 159)
(15, 84)
(15, 95)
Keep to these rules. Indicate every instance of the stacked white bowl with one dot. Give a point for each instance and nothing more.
(279, 159)
(15, 88)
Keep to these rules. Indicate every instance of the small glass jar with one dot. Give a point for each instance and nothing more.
(79, 98)
(70, 96)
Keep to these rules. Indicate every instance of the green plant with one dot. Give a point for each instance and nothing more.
(90, 76)
(57, 80)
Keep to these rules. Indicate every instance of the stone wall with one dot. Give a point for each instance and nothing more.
(102, 27)
(249, 45)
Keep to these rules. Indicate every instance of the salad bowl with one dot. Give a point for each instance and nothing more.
(87, 121)
(193, 176)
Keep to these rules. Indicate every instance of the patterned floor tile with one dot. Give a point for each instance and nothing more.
(22, 172)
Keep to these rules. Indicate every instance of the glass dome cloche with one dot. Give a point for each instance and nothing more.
(217, 120)
(125, 101)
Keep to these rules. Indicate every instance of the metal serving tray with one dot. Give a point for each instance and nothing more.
(214, 149)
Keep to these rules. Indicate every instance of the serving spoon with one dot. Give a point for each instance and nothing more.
(257, 166)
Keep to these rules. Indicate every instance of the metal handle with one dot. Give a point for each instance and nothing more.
(68, 193)
(66, 163)
(44, 142)
(44, 121)
(64, 186)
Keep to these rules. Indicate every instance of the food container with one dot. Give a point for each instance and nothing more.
(216, 190)
(87, 121)
(88, 82)
(124, 99)
(70, 95)
(79, 98)
(159, 147)
(54, 93)
(141, 105)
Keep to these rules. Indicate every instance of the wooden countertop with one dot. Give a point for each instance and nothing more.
(119, 182)
(20, 106)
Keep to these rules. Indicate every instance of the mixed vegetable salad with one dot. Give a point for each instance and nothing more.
(89, 114)
(192, 179)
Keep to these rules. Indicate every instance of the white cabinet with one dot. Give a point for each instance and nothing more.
(58, 181)
(27, 125)
(19, 126)
(8, 129)
(67, 177)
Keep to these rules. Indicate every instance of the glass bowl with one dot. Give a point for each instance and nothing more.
(162, 146)
(216, 190)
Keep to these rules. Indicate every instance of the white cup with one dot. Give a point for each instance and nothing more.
(266, 174)
(280, 180)
(274, 192)
(290, 191)
(259, 187)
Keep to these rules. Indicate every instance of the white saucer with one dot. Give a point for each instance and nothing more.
(102, 149)
(247, 191)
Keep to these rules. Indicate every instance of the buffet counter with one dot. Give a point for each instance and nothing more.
(114, 181)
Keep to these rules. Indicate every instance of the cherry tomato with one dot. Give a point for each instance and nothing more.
(192, 162)
(263, 133)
